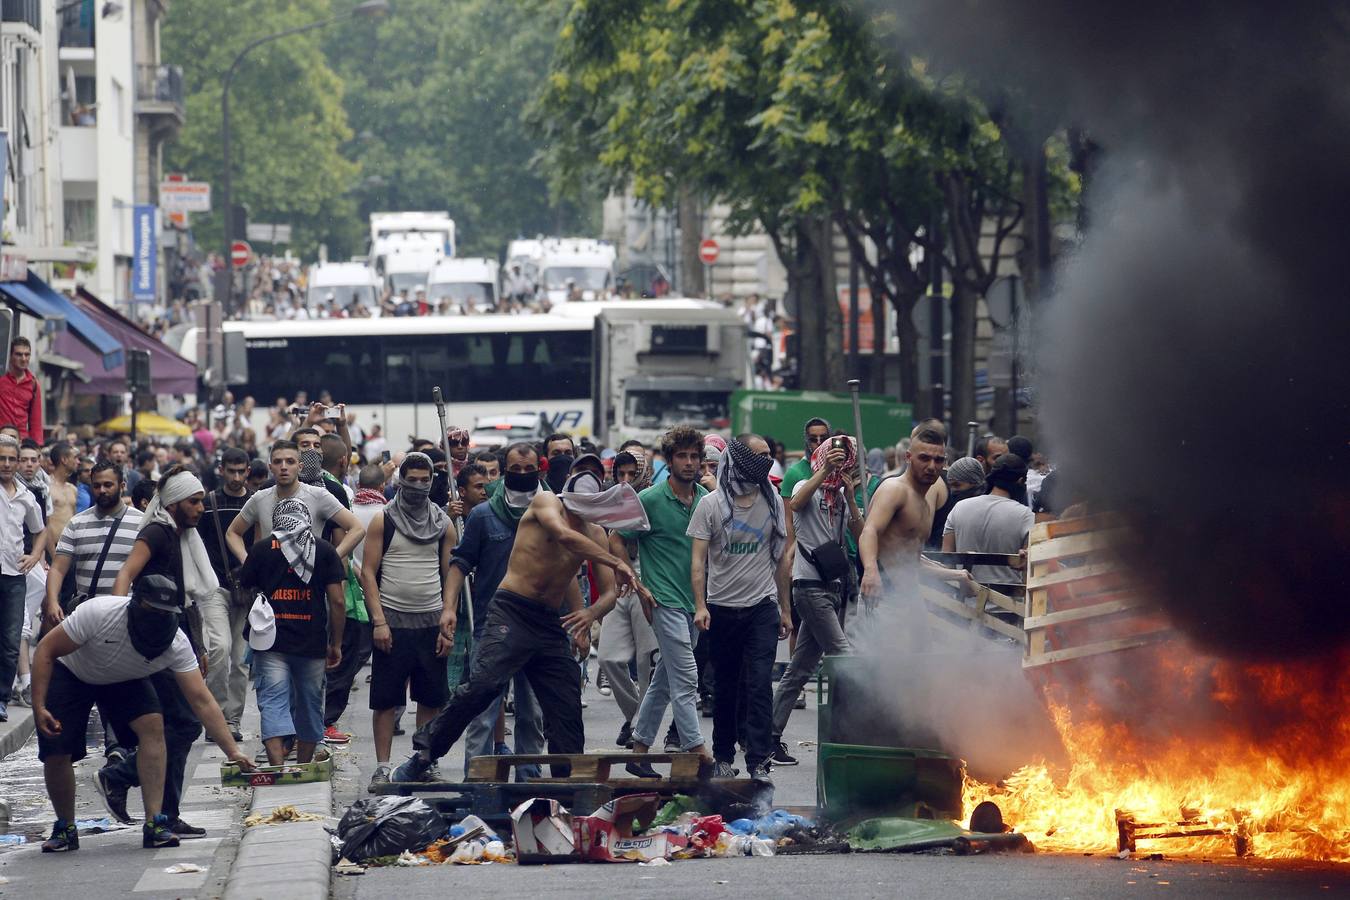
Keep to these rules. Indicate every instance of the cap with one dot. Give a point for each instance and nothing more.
(588, 458)
(157, 592)
(262, 624)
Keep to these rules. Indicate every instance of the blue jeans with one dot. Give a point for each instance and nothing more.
(674, 680)
(13, 593)
(744, 643)
(290, 695)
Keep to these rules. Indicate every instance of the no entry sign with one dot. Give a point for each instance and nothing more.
(708, 251)
(240, 254)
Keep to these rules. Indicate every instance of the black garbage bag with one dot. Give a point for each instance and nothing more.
(386, 826)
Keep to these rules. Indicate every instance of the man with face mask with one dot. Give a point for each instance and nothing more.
(102, 653)
(482, 554)
(405, 562)
(996, 522)
(523, 630)
(965, 478)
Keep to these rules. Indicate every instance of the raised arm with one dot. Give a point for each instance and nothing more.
(548, 512)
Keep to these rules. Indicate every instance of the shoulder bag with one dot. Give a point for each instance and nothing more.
(240, 597)
(830, 559)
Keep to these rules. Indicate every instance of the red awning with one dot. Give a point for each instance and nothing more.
(169, 372)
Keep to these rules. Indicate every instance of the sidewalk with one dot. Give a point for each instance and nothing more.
(16, 732)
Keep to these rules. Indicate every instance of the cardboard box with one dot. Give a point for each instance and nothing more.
(614, 832)
(543, 832)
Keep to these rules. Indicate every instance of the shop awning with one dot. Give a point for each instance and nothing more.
(37, 298)
(169, 372)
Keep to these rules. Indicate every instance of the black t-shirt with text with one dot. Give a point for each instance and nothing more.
(301, 609)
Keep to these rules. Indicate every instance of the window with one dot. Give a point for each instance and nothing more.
(666, 409)
(81, 221)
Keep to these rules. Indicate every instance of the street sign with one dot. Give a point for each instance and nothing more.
(266, 233)
(241, 254)
(185, 196)
(708, 251)
(145, 253)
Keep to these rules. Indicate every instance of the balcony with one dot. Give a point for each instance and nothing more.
(159, 95)
(25, 12)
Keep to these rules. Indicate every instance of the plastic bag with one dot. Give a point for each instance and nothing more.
(680, 803)
(387, 826)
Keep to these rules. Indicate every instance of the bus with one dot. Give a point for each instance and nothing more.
(639, 365)
(384, 369)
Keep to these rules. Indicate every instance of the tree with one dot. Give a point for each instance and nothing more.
(288, 122)
(436, 94)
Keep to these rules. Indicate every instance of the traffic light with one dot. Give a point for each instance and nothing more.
(138, 371)
(239, 222)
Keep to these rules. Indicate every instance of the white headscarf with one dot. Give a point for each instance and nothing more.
(199, 579)
(616, 508)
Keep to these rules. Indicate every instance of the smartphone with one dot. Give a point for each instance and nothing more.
(385, 456)
(332, 412)
(837, 443)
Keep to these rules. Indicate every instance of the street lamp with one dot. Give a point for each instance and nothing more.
(369, 9)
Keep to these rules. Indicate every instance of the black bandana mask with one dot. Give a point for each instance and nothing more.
(151, 630)
(524, 482)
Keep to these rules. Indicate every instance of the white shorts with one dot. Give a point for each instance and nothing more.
(32, 602)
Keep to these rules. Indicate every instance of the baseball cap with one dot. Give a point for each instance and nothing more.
(262, 624)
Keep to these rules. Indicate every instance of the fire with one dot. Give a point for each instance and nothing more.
(1257, 755)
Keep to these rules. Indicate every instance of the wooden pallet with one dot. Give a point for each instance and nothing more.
(956, 612)
(591, 768)
(1080, 600)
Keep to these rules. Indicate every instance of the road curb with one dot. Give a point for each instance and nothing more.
(16, 732)
(293, 860)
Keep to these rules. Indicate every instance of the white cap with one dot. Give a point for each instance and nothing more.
(262, 624)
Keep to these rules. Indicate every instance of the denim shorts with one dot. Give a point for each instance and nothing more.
(290, 694)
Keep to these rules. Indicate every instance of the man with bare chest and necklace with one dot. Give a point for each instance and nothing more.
(524, 631)
(899, 520)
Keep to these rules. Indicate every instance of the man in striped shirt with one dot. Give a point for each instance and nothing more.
(82, 541)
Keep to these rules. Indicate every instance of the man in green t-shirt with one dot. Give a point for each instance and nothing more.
(816, 430)
(665, 553)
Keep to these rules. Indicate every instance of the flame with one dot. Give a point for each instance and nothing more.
(1258, 752)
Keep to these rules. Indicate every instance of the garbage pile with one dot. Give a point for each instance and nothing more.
(406, 831)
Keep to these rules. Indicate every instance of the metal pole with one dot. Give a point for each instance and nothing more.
(226, 187)
(970, 443)
(936, 324)
(854, 385)
(439, 399)
(134, 395)
(853, 357)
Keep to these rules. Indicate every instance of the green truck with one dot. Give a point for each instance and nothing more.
(781, 414)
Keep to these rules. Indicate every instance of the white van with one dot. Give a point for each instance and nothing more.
(344, 283)
(464, 285)
(581, 262)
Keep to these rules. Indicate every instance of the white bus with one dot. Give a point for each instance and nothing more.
(384, 369)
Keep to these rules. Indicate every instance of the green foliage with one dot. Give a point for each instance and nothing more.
(288, 125)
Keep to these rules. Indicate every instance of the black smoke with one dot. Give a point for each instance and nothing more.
(1192, 362)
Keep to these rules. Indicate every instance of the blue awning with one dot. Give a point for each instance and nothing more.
(39, 299)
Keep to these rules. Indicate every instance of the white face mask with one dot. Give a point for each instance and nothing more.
(519, 499)
(618, 507)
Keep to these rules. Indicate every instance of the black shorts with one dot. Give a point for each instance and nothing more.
(70, 700)
(413, 657)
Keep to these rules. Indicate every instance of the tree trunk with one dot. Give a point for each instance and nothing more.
(690, 214)
(963, 355)
(819, 321)
(1034, 260)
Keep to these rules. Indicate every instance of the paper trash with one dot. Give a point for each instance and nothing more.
(543, 832)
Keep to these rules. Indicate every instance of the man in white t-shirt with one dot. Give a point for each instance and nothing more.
(102, 653)
(323, 506)
(992, 523)
(741, 571)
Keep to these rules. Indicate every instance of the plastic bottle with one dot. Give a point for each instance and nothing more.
(761, 847)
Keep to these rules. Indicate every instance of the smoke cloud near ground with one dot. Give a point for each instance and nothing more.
(1191, 364)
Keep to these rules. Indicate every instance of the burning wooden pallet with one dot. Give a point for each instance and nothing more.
(1080, 600)
(1190, 826)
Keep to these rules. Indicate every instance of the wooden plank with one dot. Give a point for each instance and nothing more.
(956, 607)
(1002, 600)
(1037, 604)
(1083, 612)
(1044, 531)
(586, 767)
(1074, 573)
(1074, 545)
(1054, 656)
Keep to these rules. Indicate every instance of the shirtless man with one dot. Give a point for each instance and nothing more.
(524, 631)
(65, 463)
(900, 518)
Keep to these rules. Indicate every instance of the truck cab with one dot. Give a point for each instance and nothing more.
(458, 286)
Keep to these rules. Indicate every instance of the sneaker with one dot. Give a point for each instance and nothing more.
(16, 697)
(625, 738)
(114, 796)
(801, 701)
(380, 777)
(332, 736)
(157, 833)
(641, 770)
(760, 774)
(672, 741)
(185, 831)
(4, 712)
(114, 756)
(781, 757)
(724, 770)
(602, 685)
(236, 733)
(398, 731)
(65, 837)
(433, 773)
(414, 769)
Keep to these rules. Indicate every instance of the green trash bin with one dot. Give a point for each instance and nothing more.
(857, 780)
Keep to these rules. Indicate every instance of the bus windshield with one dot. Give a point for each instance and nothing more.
(666, 409)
